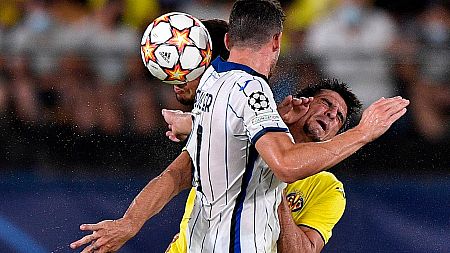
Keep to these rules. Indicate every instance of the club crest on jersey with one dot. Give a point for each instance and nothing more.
(258, 101)
(295, 201)
(341, 190)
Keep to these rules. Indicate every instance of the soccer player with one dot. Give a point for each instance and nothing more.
(312, 206)
(237, 192)
(315, 204)
(120, 231)
(240, 148)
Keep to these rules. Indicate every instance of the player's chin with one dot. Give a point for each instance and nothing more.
(184, 100)
(317, 134)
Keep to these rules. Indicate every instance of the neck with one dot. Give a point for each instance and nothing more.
(255, 59)
(299, 134)
(300, 138)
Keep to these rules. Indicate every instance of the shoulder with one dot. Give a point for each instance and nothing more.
(326, 177)
(321, 180)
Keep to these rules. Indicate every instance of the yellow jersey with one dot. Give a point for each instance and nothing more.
(179, 244)
(317, 202)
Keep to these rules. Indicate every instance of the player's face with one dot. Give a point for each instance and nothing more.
(326, 115)
(277, 46)
(185, 93)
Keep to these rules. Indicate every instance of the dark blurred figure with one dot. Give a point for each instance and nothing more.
(423, 70)
(431, 89)
(140, 98)
(110, 41)
(23, 92)
(352, 43)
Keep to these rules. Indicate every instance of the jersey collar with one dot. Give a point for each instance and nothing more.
(223, 66)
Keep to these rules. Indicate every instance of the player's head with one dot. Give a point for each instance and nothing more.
(217, 29)
(256, 23)
(334, 109)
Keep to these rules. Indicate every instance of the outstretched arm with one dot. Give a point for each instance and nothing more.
(291, 162)
(180, 123)
(111, 235)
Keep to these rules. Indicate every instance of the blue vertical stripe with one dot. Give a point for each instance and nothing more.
(235, 228)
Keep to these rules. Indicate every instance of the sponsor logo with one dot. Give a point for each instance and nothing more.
(263, 118)
(165, 56)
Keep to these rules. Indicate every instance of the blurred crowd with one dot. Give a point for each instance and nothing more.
(74, 92)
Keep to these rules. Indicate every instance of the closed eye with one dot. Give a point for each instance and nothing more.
(330, 105)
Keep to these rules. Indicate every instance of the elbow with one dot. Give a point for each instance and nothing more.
(284, 173)
(286, 178)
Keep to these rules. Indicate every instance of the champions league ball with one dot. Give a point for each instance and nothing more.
(176, 48)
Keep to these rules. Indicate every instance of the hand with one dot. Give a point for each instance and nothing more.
(179, 123)
(292, 109)
(380, 115)
(107, 236)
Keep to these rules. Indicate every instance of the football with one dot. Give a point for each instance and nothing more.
(176, 48)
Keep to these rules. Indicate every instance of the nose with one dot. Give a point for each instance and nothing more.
(181, 86)
(332, 112)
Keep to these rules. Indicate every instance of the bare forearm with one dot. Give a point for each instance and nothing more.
(307, 159)
(292, 162)
(298, 161)
(159, 191)
(292, 238)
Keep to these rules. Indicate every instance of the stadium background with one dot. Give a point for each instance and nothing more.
(81, 131)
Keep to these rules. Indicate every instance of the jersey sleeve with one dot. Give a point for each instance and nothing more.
(317, 202)
(252, 102)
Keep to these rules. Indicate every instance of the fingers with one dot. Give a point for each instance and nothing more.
(86, 239)
(397, 115)
(172, 136)
(98, 245)
(89, 249)
(396, 106)
(289, 109)
(387, 106)
(379, 116)
(105, 250)
(91, 227)
(285, 106)
(302, 101)
(286, 101)
(385, 101)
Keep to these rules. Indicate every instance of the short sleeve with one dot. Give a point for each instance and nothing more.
(252, 102)
(317, 202)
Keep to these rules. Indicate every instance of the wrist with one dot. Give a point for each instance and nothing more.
(130, 224)
(362, 135)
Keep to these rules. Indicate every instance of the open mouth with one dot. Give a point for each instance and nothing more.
(322, 124)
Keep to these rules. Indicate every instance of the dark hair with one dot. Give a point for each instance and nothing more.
(217, 29)
(254, 22)
(353, 104)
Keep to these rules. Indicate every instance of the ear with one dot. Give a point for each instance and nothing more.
(226, 40)
(276, 41)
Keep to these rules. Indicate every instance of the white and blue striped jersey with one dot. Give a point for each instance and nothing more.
(237, 194)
